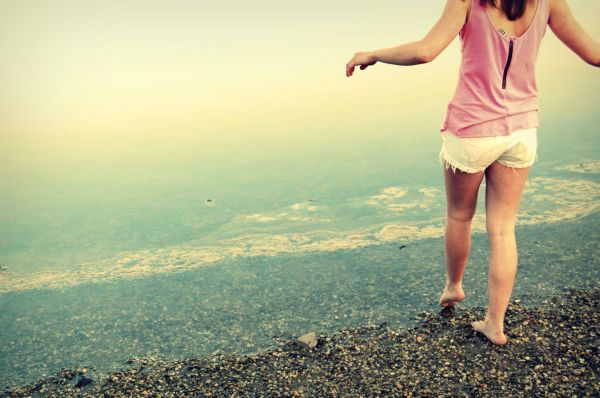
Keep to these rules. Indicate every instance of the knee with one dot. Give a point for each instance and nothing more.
(460, 215)
(500, 229)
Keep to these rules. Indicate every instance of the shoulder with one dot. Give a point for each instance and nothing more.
(461, 6)
(556, 6)
(559, 13)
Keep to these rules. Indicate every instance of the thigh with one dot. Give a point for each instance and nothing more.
(461, 193)
(503, 190)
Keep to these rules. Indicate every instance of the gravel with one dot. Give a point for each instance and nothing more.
(552, 351)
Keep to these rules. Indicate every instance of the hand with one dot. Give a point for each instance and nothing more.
(363, 59)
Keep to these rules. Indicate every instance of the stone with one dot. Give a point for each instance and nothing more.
(308, 340)
(83, 381)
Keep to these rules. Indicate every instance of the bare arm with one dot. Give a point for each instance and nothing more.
(565, 27)
(422, 51)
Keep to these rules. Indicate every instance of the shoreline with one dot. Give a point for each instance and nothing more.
(552, 350)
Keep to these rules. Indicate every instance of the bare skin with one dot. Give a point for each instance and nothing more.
(504, 187)
(451, 295)
(461, 203)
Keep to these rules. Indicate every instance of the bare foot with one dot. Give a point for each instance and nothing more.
(493, 334)
(451, 296)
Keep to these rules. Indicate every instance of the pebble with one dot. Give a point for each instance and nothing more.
(83, 381)
(308, 340)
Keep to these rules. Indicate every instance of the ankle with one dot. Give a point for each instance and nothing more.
(495, 322)
(453, 285)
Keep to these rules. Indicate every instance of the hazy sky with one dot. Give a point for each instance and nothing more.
(140, 66)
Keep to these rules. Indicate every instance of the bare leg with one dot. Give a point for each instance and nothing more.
(504, 187)
(461, 199)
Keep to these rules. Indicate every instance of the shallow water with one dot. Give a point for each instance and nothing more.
(247, 304)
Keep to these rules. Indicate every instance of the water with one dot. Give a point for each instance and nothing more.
(192, 244)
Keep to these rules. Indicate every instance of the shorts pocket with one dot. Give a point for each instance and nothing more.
(481, 151)
(521, 154)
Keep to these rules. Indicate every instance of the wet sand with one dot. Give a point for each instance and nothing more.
(552, 351)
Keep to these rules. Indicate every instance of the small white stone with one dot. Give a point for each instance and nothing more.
(308, 340)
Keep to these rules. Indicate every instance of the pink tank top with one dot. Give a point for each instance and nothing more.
(496, 92)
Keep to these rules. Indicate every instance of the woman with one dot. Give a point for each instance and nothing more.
(490, 126)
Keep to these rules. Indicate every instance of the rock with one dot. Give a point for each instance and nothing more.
(308, 340)
(83, 381)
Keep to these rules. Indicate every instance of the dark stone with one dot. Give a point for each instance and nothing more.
(448, 312)
(83, 381)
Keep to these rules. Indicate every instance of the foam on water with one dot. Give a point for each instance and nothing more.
(545, 200)
(589, 167)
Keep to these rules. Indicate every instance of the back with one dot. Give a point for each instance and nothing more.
(496, 91)
(515, 27)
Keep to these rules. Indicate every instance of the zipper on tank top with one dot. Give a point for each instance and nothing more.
(508, 60)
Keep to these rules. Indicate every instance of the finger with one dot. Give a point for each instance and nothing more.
(349, 70)
(363, 67)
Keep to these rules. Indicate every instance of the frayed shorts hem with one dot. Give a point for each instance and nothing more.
(451, 164)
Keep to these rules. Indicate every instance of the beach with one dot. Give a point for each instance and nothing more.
(377, 336)
(552, 351)
(188, 197)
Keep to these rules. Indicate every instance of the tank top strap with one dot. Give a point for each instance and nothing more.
(540, 22)
(543, 15)
(477, 7)
(475, 18)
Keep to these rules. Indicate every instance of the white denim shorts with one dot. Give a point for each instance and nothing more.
(474, 154)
